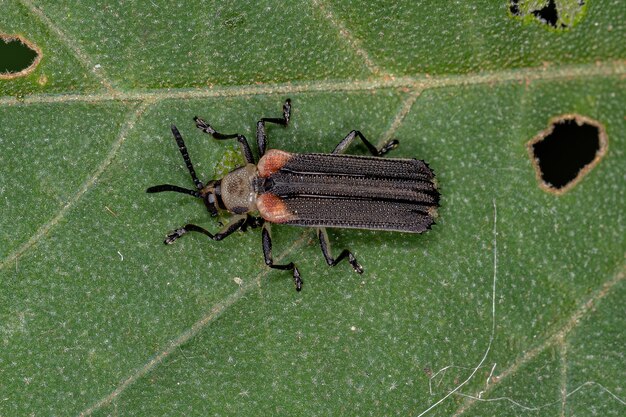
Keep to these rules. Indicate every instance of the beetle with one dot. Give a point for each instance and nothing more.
(312, 190)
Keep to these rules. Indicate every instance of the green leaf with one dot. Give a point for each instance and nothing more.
(98, 317)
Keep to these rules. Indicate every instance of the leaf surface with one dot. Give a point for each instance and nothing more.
(98, 317)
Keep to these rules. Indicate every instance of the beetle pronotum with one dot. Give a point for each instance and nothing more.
(313, 190)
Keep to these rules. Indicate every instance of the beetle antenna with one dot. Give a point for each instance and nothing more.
(183, 151)
(167, 187)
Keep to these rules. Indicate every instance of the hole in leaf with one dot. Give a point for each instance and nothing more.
(548, 14)
(557, 14)
(566, 151)
(19, 56)
(514, 8)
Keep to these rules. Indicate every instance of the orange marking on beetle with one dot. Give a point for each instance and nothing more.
(272, 161)
(273, 209)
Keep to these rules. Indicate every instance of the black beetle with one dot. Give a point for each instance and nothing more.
(313, 190)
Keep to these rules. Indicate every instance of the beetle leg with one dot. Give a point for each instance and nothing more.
(325, 245)
(267, 254)
(245, 147)
(252, 222)
(183, 151)
(341, 146)
(261, 137)
(229, 229)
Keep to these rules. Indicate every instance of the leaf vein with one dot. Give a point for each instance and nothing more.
(218, 309)
(86, 186)
(347, 36)
(72, 44)
(527, 75)
(555, 338)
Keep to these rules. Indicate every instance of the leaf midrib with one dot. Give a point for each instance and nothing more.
(599, 69)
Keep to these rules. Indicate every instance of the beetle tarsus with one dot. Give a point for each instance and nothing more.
(287, 111)
(245, 147)
(171, 238)
(355, 265)
(204, 126)
(297, 280)
(325, 246)
(283, 121)
(388, 146)
(236, 224)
